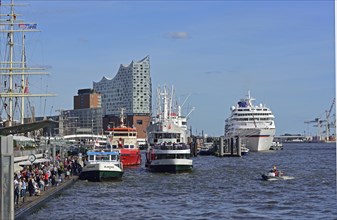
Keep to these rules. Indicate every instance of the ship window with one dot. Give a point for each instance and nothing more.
(102, 157)
(113, 157)
(91, 157)
(114, 146)
(120, 134)
(132, 146)
(139, 122)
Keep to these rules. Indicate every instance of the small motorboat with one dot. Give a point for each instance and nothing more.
(244, 150)
(271, 176)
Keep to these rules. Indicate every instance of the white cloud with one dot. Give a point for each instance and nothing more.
(177, 35)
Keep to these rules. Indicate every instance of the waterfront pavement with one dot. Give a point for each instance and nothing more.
(32, 203)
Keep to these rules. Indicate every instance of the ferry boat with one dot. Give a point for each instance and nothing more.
(102, 164)
(168, 149)
(169, 157)
(125, 139)
(253, 124)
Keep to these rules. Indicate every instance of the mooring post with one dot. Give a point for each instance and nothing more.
(6, 178)
(238, 145)
(228, 145)
(221, 146)
(232, 146)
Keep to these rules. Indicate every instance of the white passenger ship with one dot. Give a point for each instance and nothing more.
(168, 138)
(253, 124)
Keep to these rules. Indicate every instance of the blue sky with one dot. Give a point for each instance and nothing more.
(282, 51)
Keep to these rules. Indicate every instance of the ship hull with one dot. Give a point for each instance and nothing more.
(256, 139)
(170, 165)
(101, 172)
(130, 157)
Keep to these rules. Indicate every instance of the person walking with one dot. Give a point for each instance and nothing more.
(16, 191)
(23, 189)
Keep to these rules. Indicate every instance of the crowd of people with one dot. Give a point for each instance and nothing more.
(33, 179)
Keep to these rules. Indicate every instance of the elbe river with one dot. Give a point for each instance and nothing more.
(218, 188)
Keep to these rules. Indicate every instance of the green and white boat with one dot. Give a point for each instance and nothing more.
(102, 165)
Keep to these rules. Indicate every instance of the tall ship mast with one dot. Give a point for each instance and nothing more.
(14, 68)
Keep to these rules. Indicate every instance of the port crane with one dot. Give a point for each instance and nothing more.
(328, 124)
(319, 123)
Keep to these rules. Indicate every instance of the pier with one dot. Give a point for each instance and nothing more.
(228, 147)
(32, 203)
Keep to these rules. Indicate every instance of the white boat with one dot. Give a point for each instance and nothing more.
(206, 149)
(275, 145)
(253, 124)
(168, 149)
(102, 164)
(169, 157)
(244, 150)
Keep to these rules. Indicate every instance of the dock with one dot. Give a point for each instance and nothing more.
(229, 147)
(32, 203)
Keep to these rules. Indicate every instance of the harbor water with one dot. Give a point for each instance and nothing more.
(218, 188)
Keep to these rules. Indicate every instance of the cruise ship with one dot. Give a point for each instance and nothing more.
(253, 124)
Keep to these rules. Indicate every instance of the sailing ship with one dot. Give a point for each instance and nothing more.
(168, 138)
(125, 139)
(15, 71)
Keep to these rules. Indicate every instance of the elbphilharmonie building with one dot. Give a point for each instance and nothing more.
(130, 89)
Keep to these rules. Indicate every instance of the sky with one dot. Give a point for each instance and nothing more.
(212, 51)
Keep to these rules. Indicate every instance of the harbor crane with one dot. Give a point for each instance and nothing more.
(319, 123)
(328, 124)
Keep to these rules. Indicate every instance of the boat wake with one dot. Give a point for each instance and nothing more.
(288, 177)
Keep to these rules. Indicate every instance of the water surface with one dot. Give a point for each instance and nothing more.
(218, 188)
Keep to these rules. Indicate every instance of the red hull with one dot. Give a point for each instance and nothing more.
(130, 157)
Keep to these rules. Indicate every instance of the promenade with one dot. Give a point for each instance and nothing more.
(32, 203)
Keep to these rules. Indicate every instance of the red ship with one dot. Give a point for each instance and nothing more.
(125, 139)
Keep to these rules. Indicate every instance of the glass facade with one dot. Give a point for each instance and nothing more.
(130, 89)
(86, 121)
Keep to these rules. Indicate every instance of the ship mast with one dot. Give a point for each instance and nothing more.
(15, 70)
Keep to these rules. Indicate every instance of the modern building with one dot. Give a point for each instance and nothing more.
(86, 117)
(130, 89)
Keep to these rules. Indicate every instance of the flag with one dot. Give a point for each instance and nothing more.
(26, 90)
(27, 26)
